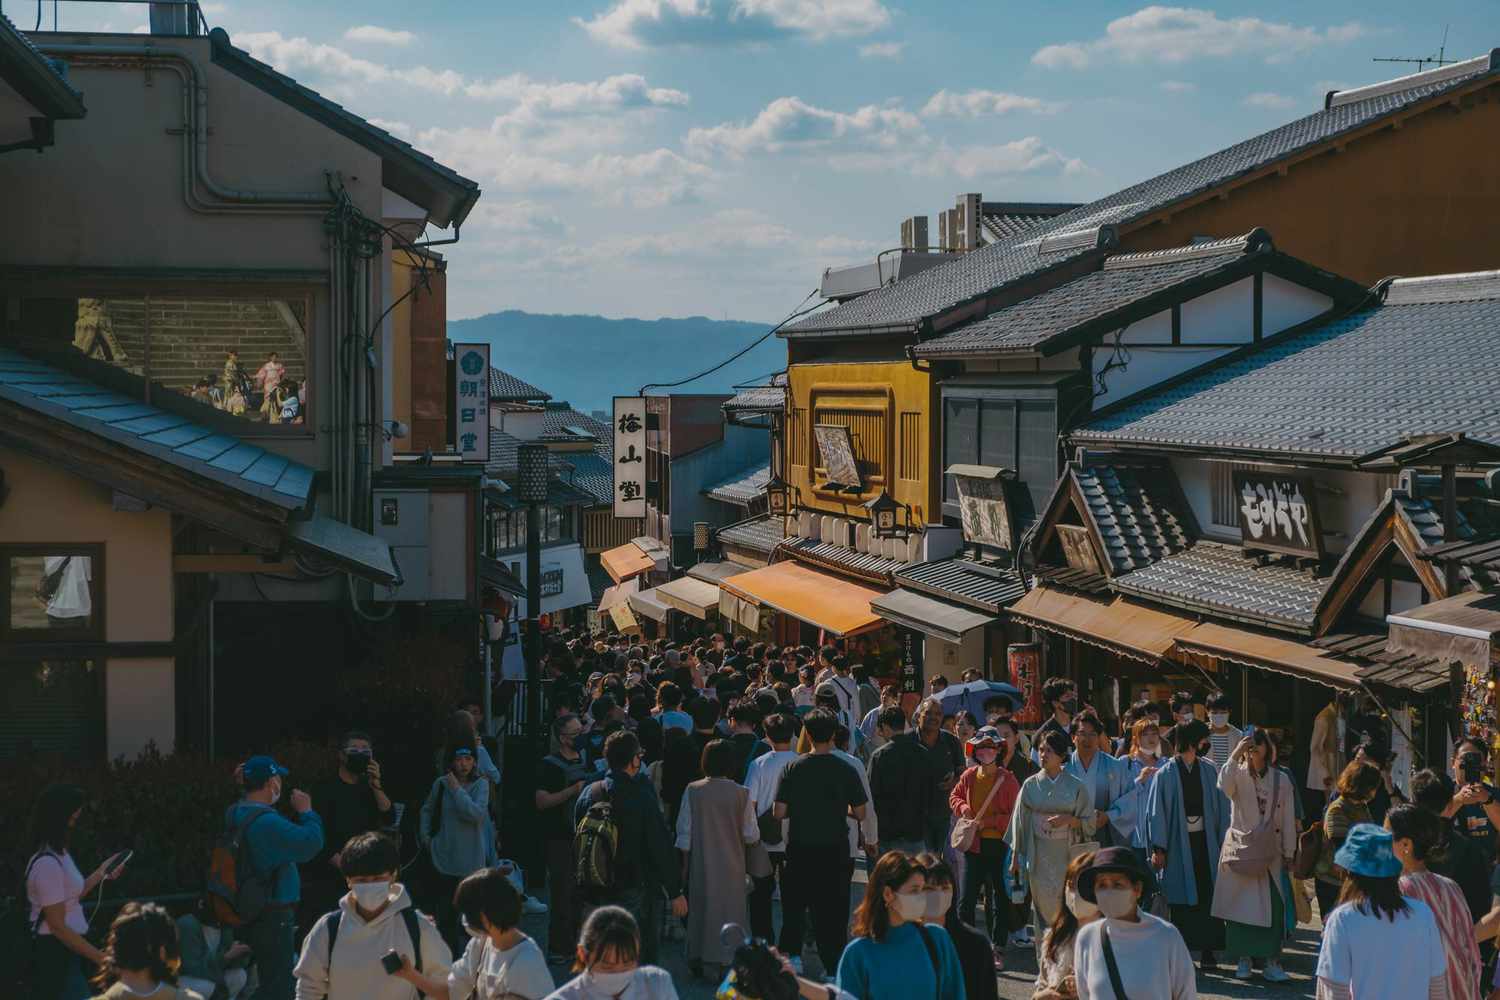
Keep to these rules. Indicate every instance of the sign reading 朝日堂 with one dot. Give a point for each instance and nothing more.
(471, 392)
(1277, 513)
(630, 456)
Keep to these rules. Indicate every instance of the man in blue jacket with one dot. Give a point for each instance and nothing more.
(276, 845)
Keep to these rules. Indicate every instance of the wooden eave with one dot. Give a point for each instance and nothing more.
(1384, 532)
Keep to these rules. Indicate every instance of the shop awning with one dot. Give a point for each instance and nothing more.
(350, 549)
(496, 574)
(623, 619)
(617, 595)
(690, 596)
(1268, 652)
(1114, 623)
(645, 602)
(833, 604)
(626, 561)
(929, 615)
(717, 572)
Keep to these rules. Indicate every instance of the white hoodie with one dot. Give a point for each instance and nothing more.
(355, 972)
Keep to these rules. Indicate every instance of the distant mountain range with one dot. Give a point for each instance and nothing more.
(586, 360)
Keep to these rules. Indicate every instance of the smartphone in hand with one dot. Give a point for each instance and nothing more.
(391, 962)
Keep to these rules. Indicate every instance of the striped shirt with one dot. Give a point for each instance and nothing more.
(1455, 926)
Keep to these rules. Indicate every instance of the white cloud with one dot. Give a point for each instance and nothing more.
(790, 122)
(1023, 156)
(638, 24)
(882, 50)
(395, 127)
(1178, 86)
(300, 55)
(1268, 101)
(1173, 35)
(374, 34)
(615, 93)
(977, 103)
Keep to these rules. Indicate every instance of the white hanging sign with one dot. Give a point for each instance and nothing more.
(630, 456)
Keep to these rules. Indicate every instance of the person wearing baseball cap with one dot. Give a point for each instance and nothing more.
(275, 845)
(1130, 952)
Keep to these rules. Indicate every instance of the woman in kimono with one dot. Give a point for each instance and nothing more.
(714, 826)
(1256, 909)
(1053, 813)
(1128, 814)
(1186, 818)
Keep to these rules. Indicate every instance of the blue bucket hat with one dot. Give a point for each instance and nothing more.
(261, 768)
(1367, 851)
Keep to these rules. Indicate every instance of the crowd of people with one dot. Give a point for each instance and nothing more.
(687, 788)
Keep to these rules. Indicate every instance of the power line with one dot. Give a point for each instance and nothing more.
(799, 311)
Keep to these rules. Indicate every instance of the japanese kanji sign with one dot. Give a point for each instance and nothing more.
(471, 395)
(1277, 513)
(630, 456)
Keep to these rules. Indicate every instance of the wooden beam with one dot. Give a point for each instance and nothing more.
(231, 563)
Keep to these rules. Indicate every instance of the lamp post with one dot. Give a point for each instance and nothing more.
(883, 511)
(531, 488)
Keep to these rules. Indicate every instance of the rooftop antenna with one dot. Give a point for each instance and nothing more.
(1422, 62)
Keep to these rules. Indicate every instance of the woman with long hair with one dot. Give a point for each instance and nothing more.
(1055, 979)
(608, 962)
(975, 956)
(454, 830)
(54, 890)
(1378, 944)
(714, 826)
(1414, 834)
(893, 954)
(141, 957)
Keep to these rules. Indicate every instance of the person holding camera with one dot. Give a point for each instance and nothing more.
(352, 802)
(375, 945)
(1475, 808)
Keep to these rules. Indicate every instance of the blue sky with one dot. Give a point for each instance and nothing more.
(676, 157)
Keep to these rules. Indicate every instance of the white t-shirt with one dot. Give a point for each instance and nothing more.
(1380, 959)
(56, 881)
(490, 974)
(1153, 960)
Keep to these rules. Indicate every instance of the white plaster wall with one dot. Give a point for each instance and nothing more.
(1284, 304)
(1224, 315)
(1146, 367)
(1156, 329)
(951, 659)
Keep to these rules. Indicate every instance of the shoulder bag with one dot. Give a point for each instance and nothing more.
(965, 830)
(1111, 966)
(1252, 853)
(932, 956)
(1309, 851)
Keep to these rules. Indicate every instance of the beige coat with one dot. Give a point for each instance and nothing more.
(1240, 898)
(1325, 752)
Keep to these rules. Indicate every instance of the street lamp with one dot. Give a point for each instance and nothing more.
(531, 489)
(778, 496)
(883, 511)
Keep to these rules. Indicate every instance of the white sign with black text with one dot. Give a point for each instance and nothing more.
(471, 392)
(630, 456)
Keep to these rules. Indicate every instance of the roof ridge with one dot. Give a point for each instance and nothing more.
(1465, 286)
(1255, 240)
(1439, 74)
(1101, 237)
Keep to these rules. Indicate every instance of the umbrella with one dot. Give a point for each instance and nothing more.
(972, 696)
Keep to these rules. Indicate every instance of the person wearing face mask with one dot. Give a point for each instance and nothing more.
(141, 957)
(1186, 819)
(352, 802)
(975, 956)
(1129, 953)
(275, 846)
(499, 963)
(454, 828)
(1129, 811)
(1055, 979)
(894, 954)
(986, 794)
(1222, 737)
(341, 954)
(1061, 696)
(608, 963)
(1053, 813)
(561, 776)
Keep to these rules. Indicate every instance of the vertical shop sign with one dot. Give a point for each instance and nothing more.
(630, 456)
(1026, 674)
(912, 642)
(471, 394)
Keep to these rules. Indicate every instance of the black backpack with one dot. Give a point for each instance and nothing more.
(413, 930)
(17, 926)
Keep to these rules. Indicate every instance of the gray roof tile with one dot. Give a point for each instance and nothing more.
(958, 579)
(505, 387)
(1004, 219)
(840, 557)
(758, 534)
(1217, 579)
(932, 292)
(759, 398)
(1137, 512)
(743, 487)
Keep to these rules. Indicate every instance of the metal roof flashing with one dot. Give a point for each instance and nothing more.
(1255, 241)
(1470, 286)
(1442, 74)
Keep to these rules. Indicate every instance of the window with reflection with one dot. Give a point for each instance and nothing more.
(54, 593)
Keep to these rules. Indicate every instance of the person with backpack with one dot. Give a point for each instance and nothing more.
(895, 954)
(342, 956)
(561, 777)
(54, 889)
(455, 832)
(622, 850)
(254, 873)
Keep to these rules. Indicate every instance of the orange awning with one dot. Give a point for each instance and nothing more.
(833, 604)
(1269, 652)
(1123, 626)
(626, 561)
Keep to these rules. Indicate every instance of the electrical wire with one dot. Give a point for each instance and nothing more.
(799, 311)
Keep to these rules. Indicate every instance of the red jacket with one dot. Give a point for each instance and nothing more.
(997, 816)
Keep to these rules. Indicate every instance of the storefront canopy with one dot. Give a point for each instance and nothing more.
(690, 596)
(833, 604)
(1268, 652)
(647, 603)
(1114, 623)
(618, 594)
(626, 561)
(929, 615)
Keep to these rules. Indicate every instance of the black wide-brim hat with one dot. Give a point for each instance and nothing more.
(1112, 859)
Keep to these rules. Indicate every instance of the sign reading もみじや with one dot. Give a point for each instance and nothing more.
(1278, 513)
(471, 389)
(630, 456)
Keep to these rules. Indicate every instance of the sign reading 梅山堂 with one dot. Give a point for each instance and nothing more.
(630, 456)
(471, 390)
(1277, 513)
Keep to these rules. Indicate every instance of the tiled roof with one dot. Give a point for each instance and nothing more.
(1215, 578)
(1136, 511)
(958, 579)
(37, 78)
(759, 398)
(505, 456)
(1122, 283)
(561, 420)
(1341, 390)
(758, 534)
(1003, 219)
(505, 387)
(742, 487)
(153, 432)
(834, 556)
(930, 293)
(594, 473)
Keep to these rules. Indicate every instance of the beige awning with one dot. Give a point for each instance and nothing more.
(646, 602)
(1269, 652)
(1115, 623)
(694, 597)
(623, 619)
(617, 595)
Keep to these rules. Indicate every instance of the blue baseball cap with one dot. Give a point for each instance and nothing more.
(1368, 851)
(463, 752)
(261, 768)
